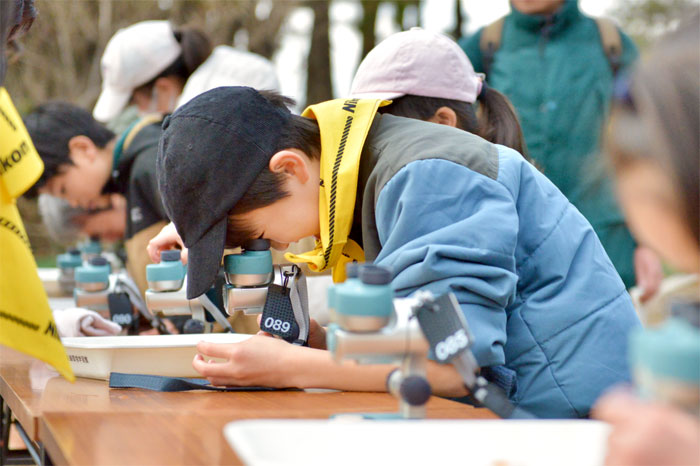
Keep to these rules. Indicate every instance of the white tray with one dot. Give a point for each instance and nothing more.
(167, 355)
(431, 442)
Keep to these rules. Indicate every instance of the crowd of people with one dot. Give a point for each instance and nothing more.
(538, 170)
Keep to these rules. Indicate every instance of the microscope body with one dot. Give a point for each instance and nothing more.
(371, 327)
(67, 263)
(167, 292)
(93, 284)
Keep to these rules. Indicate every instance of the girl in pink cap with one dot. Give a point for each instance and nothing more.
(428, 77)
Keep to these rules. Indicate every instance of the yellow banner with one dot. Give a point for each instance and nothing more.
(26, 321)
(344, 124)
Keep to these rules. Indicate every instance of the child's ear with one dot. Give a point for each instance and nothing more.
(291, 162)
(444, 116)
(82, 149)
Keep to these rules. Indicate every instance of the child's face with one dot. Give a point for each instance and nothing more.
(81, 184)
(652, 210)
(294, 217)
(536, 7)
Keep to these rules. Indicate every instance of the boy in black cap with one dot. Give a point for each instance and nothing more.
(445, 209)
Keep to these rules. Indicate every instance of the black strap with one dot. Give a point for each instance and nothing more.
(174, 384)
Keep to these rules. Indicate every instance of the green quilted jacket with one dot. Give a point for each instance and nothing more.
(556, 74)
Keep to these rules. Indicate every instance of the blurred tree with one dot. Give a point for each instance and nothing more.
(646, 20)
(62, 58)
(368, 22)
(403, 21)
(460, 20)
(318, 82)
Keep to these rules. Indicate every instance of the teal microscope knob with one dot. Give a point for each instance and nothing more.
(255, 259)
(97, 270)
(170, 267)
(69, 260)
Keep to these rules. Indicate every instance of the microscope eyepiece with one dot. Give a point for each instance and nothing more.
(257, 244)
(171, 255)
(375, 275)
(99, 260)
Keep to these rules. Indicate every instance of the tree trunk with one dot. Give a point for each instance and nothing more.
(318, 77)
(368, 23)
(459, 20)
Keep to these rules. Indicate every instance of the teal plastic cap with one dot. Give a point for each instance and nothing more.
(249, 262)
(356, 298)
(166, 270)
(93, 273)
(69, 260)
(671, 351)
(91, 247)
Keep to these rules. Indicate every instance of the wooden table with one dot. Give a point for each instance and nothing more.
(89, 423)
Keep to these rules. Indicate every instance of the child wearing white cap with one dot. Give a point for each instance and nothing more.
(147, 64)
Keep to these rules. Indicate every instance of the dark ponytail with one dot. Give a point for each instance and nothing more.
(196, 48)
(498, 121)
(495, 120)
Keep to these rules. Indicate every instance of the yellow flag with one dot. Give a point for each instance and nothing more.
(26, 321)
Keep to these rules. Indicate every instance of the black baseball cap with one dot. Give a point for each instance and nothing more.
(211, 151)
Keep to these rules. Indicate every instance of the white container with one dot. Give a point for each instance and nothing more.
(431, 442)
(166, 355)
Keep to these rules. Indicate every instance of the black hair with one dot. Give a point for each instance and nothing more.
(51, 127)
(299, 133)
(196, 48)
(16, 17)
(495, 119)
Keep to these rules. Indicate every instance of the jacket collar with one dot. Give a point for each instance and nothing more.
(555, 22)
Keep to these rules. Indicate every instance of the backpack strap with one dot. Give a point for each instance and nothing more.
(490, 42)
(136, 128)
(611, 41)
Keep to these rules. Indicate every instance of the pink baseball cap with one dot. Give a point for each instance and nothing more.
(417, 62)
(133, 56)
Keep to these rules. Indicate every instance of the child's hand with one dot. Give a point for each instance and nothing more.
(258, 361)
(647, 433)
(166, 239)
(317, 335)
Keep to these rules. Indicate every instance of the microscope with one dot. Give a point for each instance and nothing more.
(371, 327)
(67, 263)
(254, 285)
(167, 296)
(113, 296)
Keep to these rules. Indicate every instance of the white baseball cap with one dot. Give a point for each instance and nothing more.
(227, 66)
(133, 56)
(417, 62)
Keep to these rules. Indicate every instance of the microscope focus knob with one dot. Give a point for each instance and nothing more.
(415, 390)
(374, 275)
(193, 326)
(171, 255)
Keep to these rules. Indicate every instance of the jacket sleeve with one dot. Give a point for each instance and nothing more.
(444, 227)
(470, 45)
